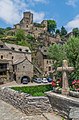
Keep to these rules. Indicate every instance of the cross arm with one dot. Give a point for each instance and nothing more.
(69, 69)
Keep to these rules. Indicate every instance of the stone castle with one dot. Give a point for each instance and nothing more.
(37, 30)
(29, 27)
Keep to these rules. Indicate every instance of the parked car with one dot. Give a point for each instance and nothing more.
(25, 81)
(44, 80)
(49, 79)
(37, 80)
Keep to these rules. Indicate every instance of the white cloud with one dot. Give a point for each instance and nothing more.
(42, 1)
(11, 11)
(38, 17)
(73, 23)
(37, 1)
(72, 2)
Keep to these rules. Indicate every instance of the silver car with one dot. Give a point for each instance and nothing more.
(37, 80)
(44, 80)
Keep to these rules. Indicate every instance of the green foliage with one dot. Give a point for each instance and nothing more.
(75, 32)
(34, 90)
(57, 31)
(72, 53)
(63, 31)
(23, 43)
(8, 28)
(56, 53)
(68, 51)
(20, 35)
(51, 25)
(2, 31)
(30, 37)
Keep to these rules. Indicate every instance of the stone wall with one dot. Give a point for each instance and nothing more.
(74, 94)
(25, 102)
(65, 105)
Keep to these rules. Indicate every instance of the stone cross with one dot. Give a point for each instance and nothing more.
(64, 69)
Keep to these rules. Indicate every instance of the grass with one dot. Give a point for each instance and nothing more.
(34, 90)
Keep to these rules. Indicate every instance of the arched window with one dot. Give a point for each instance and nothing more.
(12, 48)
(27, 26)
(12, 57)
(1, 56)
(26, 50)
(20, 49)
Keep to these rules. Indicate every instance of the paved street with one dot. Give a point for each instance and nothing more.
(8, 112)
(14, 84)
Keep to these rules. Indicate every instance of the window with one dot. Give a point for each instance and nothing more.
(45, 50)
(49, 68)
(50, 62)
(13, 48)
(23, 66)
(12, 57)
(26, 50)
(20, 49)
(1, 46)
(10, 52)
(45, 72)
(27, 26)
(1, 56)
(47, 61)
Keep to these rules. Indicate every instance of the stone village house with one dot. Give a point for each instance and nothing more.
(44, 63)
(15, 63)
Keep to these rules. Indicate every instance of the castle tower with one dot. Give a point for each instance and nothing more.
(28, 17)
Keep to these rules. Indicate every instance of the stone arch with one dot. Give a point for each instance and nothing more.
(23, 77)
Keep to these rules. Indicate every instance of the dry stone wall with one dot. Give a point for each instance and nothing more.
(67, 106)
(25, 102)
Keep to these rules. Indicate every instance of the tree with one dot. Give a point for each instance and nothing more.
(72, 53)
(56, 53)
(8, 28)
(75, 32)
(63, 31)
(20, 35)
(57, 31)
(2, 31)
(51, 26)
(68, 51)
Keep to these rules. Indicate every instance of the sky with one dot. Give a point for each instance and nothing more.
(64, 12)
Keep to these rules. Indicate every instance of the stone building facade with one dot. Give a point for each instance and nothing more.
(15, 62)
(44, 63)
(29, 27)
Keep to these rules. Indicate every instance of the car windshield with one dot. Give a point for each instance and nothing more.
(38, 79)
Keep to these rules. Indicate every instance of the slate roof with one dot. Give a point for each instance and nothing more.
(18, 61)
(18, 47)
